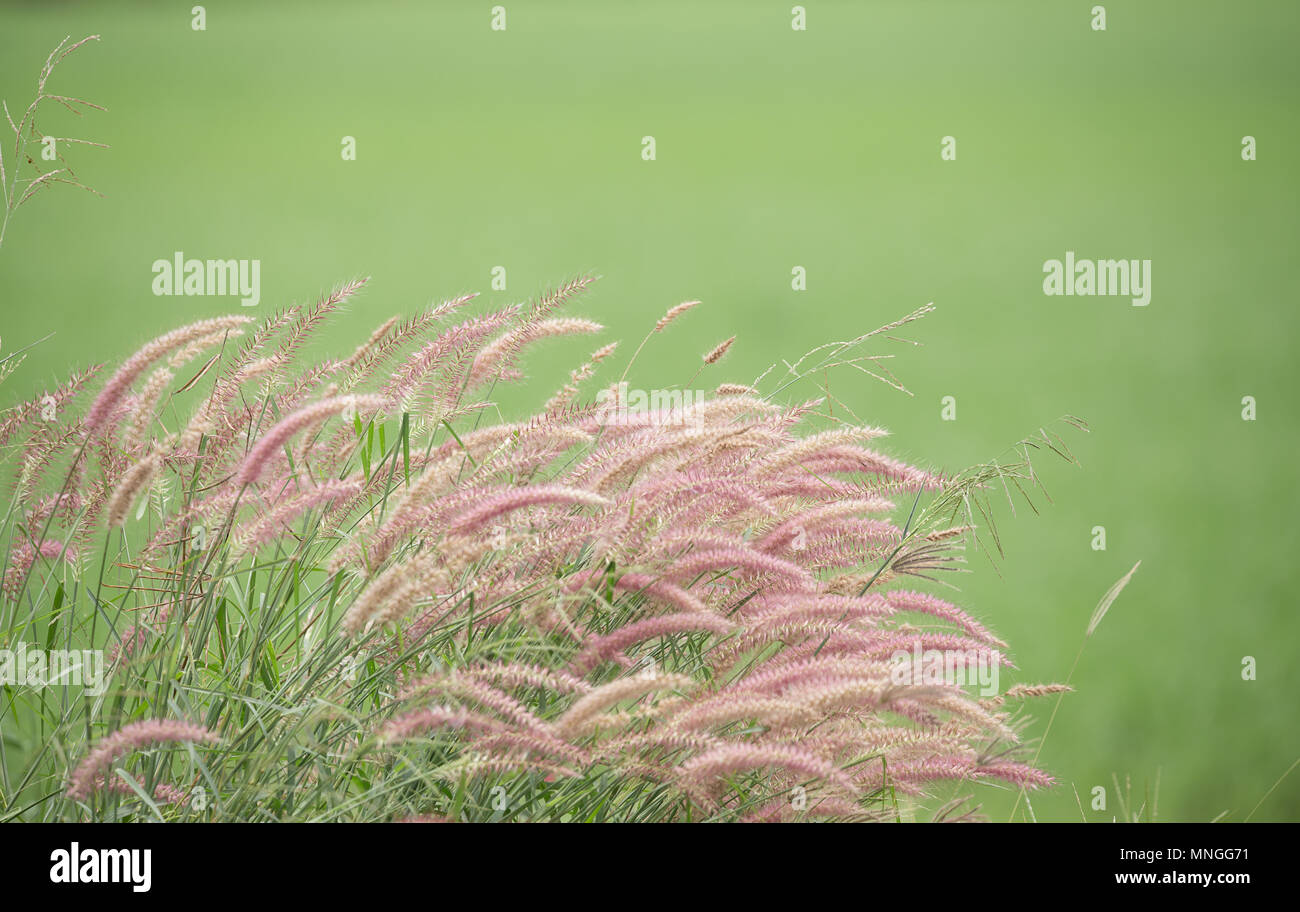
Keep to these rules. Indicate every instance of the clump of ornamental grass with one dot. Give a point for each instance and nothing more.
(348, 590)
(29, 172)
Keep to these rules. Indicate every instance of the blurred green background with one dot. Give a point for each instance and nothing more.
(778, 148)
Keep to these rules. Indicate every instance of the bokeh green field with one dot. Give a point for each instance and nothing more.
(778, 148)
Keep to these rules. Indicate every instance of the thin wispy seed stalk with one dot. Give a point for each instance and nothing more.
(1098, 613)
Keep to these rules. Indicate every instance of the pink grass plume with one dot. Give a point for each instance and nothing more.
(498, 505)
(87, 776)
(273, 441)
(120, 383)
